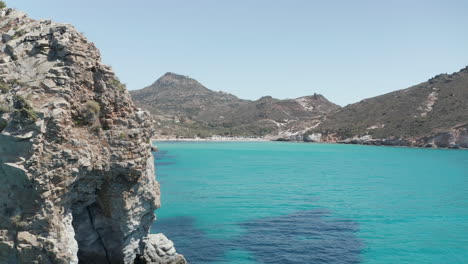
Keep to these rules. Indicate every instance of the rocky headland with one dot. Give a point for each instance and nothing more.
(77, 182)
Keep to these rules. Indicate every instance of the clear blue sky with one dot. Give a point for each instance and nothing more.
(346, 50)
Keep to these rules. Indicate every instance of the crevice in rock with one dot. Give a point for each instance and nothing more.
(91, 248)
(99, 235)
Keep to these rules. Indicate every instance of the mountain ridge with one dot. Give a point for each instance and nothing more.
(184, 98)
(426, 114)
(433, 113)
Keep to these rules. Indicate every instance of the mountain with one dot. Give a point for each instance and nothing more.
(178, 95)
(77, 182)
(431, 114)
(181, 104)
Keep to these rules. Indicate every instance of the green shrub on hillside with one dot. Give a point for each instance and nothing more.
(24, 109)
(19, 33)
(2, 4)
(18, 222)
(90, 112)
(4, 87)
(117, 84)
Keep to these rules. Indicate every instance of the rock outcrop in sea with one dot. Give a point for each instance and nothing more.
(77, 180)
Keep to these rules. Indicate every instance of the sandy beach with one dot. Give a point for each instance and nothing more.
(215, 138)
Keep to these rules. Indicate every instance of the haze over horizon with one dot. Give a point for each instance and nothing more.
(346, 51)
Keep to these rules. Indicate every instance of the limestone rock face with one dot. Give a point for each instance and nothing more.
(76, 171)
(159, 249)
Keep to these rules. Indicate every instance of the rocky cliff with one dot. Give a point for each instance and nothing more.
(77, 179)
(430, 114)
(183, 106)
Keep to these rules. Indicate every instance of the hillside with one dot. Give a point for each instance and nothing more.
(184, 107)
(178, 95)
(433, 113)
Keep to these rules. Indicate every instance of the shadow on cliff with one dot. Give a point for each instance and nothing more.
(309, 236)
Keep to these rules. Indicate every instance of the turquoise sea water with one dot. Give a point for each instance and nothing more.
(274, 202)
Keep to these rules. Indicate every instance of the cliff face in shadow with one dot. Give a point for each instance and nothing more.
(76, 172)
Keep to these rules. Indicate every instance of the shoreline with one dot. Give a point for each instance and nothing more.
(242, 139)
(212, 139)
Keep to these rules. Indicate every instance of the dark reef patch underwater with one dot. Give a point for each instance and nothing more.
(304, 236)
(309, 236)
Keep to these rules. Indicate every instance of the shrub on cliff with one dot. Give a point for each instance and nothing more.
(2, 4)
(117, 84)
(23, 109)
(4, 87)
(18, 222)
(19, 33)
(90, 112)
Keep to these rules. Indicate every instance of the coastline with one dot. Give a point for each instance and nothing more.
(248, 139)
(212, 139)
